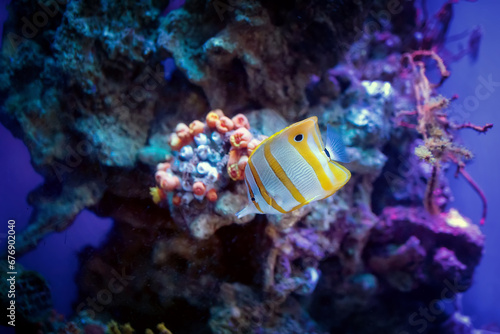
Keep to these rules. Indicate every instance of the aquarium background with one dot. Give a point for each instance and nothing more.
(56, 256)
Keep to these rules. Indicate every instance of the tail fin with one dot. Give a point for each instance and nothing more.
(335, 148)
(249, 209)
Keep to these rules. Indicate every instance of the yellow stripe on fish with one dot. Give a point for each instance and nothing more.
(293, 168)
(280, 173)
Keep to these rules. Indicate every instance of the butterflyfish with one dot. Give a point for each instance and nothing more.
(293, 168)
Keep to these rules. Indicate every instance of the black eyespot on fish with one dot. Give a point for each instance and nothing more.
(327, 153)
(253, 199)
(298, 137)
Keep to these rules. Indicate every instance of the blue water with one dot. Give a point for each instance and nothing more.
(56, 256)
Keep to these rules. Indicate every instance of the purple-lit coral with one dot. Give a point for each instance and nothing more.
(434, 126)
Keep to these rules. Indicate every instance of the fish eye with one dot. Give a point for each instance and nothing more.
(253, 199)
(327, 153)
(299, 137)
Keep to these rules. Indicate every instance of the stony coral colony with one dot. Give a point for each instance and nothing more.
(202, 152)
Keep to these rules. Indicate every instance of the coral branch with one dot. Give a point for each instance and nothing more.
(442, 67)
(406, 113)
(479, 191)
(434, 126)
(407, 125)
(478, 128)
(430, 203)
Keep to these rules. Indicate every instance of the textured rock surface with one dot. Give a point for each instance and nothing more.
(96, 104)
(259, 53)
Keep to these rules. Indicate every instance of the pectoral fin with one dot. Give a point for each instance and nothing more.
(335, 148)
(247, 210)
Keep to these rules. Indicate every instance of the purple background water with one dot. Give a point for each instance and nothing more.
(55, 257)
(482, 301)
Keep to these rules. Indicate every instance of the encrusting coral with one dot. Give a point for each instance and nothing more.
(195, 168)
(206, 156)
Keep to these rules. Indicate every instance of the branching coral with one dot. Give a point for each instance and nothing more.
(435, 127)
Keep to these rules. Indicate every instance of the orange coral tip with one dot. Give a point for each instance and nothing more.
(234, 157)
(183, 132)
(196, 127)
(170, 182)
(234, 172)
(252, 145)
(165, 184)
(181, 127)
(219, 112)
(163, 166)
(212, 195)
(240, 138)
(199, 188)
(175, 142)
(224, 124)
(212, 119)
(242, 163)
(160, 175)
(241, 121)
(176, 200)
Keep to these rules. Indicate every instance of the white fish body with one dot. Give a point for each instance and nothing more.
(293, 168)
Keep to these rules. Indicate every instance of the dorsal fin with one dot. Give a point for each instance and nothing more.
(335, 148)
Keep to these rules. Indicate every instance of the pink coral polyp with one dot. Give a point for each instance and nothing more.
(170, 182)
(240, 138)
(196, 127)
(224, 124)
(241, 121)
(183, 132)
(175, 142)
